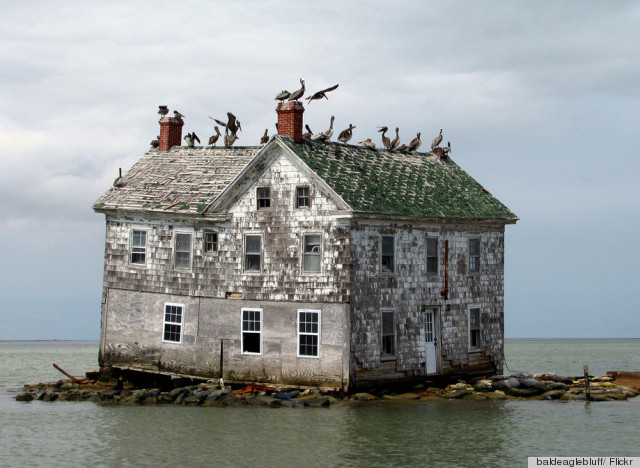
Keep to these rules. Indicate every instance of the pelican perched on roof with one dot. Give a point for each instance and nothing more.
(191, 138)
(283, 96)
(229, 139)
(118, 182)
(163, 110)
(232, 124)
(415, 143)
(402, 148)
(446, 149)
(297, 94)
(437, 140)
(325, 136)
(265, 137)
(213, 139)
(385, 139)
(321, 94)
(396, 141)
(177, 115)
(368, 143)
(346, 134)
(307, 135)
(155, 143)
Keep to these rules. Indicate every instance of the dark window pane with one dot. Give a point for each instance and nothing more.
(251, 342)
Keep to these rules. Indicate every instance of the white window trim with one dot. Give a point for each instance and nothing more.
(474, 306)
(395, 256)
(264, 208)
(191, 232)
(204, 241)
(395, 335)
(295, 201)
(146, 246)
(311, 233)
(298, 333)
(164, 322)
(244, 252)
(242, 331)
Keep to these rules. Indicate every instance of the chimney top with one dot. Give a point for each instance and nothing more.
(290, 121)
(170, 133)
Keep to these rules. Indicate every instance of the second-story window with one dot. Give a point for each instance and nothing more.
(474, 255)
(432, 255)
(311, 253)
(264, 197)
(302, 197)
(210, 242)
(388, 254)
(253, 252)
(138, 246)
(182, 251)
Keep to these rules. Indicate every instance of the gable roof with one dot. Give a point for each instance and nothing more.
(188, 180)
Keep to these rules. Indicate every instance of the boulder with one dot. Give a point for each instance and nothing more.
(571, 397)
(26, 397)
(474, 396)
(511, 382)
(552, 394)
(484, 385)
(456, 393)
(523, 392)
(533, 383)
(497, 395)
(402, 396)
(363, 397)
(557, 386)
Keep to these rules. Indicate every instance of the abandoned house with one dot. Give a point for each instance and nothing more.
(301, 262)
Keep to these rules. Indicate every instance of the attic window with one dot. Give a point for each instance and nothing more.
(474, 255)
(264, 197)
(302, 197)
(210, 242)
(388, 254)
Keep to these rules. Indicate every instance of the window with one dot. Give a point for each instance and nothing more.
(302, 197)
(253, 252)
(311, 253)
(138, 247)
(182, 251)
(264, 197)
(474, 255)
(432, 255)
(251, 331)
(210, 242)
(173, 319)
(388, 254)
(308, 333)
(474, 327)
(388, 335)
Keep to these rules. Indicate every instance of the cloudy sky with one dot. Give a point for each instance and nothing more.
(540, 100)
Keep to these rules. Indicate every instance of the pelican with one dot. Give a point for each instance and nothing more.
(163, 110)
(283, 96)
(415, 143)
(307, 135)
(447, 149)
(437, 140)
(325, 136)
(402, 148)
(229, 139)
(213, 139)
(118, 182)
(155, 143)
(297, 94)
(191, 138)
(177, 115)
(385, 139)
(232, 124)
(368, 143)
(345, 135)
(265, 137)
(321, 94)
(396, 141)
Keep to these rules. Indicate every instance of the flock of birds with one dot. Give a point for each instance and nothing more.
(232, 127)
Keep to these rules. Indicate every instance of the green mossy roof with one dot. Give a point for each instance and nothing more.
(416, 184)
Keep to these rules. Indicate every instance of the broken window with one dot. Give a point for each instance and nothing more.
(182, 251)
(311, 253)
(138, 246)
(252, 331)
(252, 252)
(264, 197)
(432, 255)
(308, 333)
(173, 320)
(302, 197)
(474, 327)
(474, 255)
(388, 254)
(388, 349)
(210, 242)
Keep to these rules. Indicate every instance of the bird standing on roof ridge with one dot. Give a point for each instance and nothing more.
(265, 137)
(307, 135)
(385, 139)
(214, 138)
(191, 138)
(177, 115)
(118, 182)
(415, 143)
(396, 141)
(297, 94)
(163, 110)
(437, 140)
(155, 143)
(446, 149)
(368, 143)
(229, 139)
(326, 135)
(321, 94)
(283, 96)
(232, 124)
(346, 134)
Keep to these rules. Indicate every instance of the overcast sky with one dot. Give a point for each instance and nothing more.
(540, 100)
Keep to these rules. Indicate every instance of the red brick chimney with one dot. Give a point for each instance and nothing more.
(290, 122)
(170, 133)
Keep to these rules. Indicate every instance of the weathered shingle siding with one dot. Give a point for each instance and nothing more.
(410, 289)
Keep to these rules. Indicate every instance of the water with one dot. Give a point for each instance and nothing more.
(376, 434)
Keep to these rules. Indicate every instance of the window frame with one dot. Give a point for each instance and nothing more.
(313, 254)
(179, 324)
(436, 256)
(317, 334)
(206, 233)
(245, 253)
(475, 264)
(259, 198)
(176, 233)
(394, 335)
(306, 197)
(132, 247)
(382, 256)
(475, 331)
(253, 332)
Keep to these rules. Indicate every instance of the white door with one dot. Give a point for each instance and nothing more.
(430, 339)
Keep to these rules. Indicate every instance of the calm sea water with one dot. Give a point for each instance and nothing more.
(377, 434)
